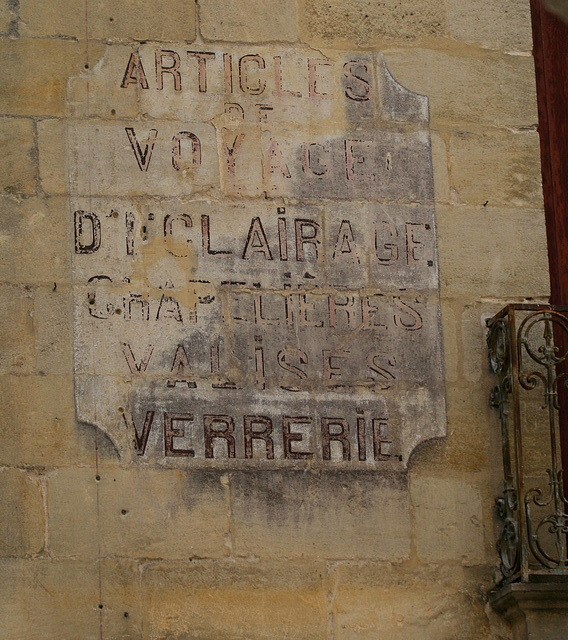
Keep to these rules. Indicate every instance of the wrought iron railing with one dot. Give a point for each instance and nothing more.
(528, 351)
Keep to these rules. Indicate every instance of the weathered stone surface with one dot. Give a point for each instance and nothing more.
(277, 549)
(506, 167)
(319, 515)
(235, 599)
(61, 598)
(103, 162)
(451, 341)
(6, 16)
(498, 24)
(98, 89)
(53, 322)
(33, 74)
(32, 231)
(473, 444)
(122, 615)
(73, 532)
(17, 330)
(440, 162)
(53, 172)
(22, 526)
(490, 90)
(17, 167)
(448, 519)
(42, 431)
(248, 20)
(367, 22)
(141, 513)
(272, 312)
(277, 146)
(43, 609)
(129, 19)
(486, 252)
(407, 603)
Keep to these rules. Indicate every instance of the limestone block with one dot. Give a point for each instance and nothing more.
(46, 599)
(44, 406)
(498, 169)
(6, 16)
(235, 600)
(142, 513)
(129, 19)
(33, 73)
(473, 442)
(386, 601)
(448, 519)
(498, 24)
(248, 20)
(22, 526)
(470, 418)
(121, 615)
(440, 165)
(34, 236)
(72, 513)
(327, 515)
(17, 170)
(53, 320)
(365, 22)
(492, 90)
(16, 330)
(52, 156)
(451, 348)
(489, 252)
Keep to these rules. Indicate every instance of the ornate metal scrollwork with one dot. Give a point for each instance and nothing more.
(508, 543)
(498, 346)
(508, 503)
(528, 351)
(555, 524)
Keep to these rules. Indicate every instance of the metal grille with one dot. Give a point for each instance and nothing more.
(528, 352)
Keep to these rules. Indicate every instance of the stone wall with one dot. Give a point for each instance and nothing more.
(95, 546)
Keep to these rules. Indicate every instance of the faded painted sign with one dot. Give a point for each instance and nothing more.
(255, 265)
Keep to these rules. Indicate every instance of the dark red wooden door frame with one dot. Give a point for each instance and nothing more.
(550, 49)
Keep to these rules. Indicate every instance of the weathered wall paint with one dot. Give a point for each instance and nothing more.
(255, 265)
